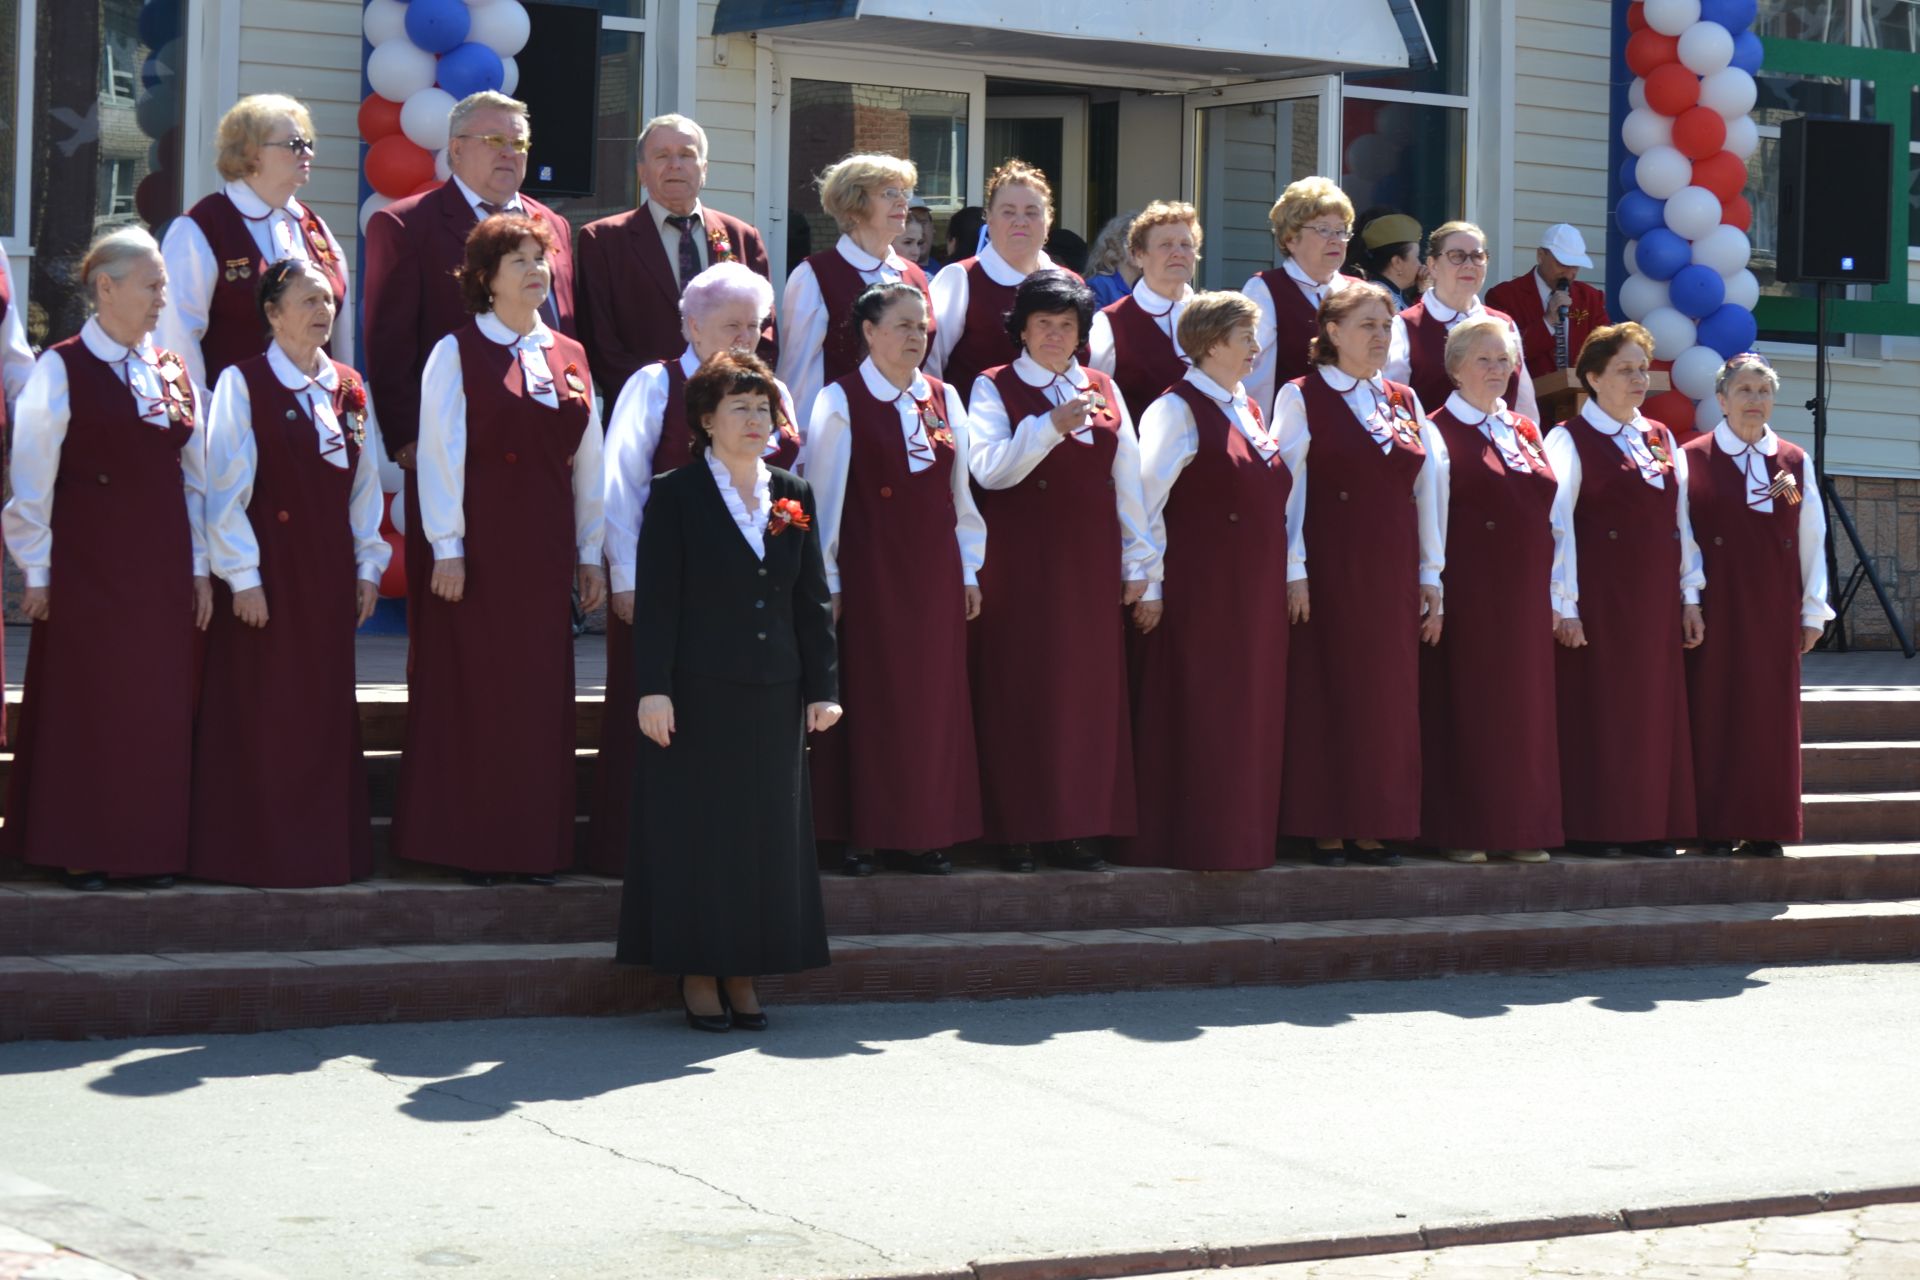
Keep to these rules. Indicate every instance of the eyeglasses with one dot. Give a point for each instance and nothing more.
(1461, 257)
(894, 194)
(501, 142)
(298, 145)
(1339, 235)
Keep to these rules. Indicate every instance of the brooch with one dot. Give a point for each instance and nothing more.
(353, 403)
(935, 425)
(719, 248)
(787, 513)
(575, 383)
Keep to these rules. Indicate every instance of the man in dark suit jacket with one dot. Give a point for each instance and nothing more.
(1534, 301)
(633, 266)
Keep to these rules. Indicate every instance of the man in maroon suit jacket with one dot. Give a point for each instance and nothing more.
(1534, 301)
(633, 266)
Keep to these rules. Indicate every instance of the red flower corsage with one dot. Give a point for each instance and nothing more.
(719, 248)
(353, 404)
(575, 383)
(787, 513)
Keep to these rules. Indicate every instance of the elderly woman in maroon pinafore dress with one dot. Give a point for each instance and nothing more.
(867, 197)
(107, 521)
(1366, 527)
(722, 309)
(217, 254)
(887, 450)
(1627, 578)
(293, 533)
(1490, 758)
(1135, 341)
(1058, 465)
(1210, 698)
(509, 461)
(1762, 527)
(1417, 356)
(1312, 223)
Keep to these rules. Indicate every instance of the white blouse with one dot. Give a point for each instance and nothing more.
(1756, 463)
(16, 356)
(950, 293)
(1368, 401)
(1400, 349)
(1260, 383)
(633, 437)
(40, 429)
(193, 272)
(830, 457)
(440, 457)
(1005, 453)
(1631, 439)
(752, 524)
(804, 321)
(1170, 439)
(233, 460)
(1166, 313)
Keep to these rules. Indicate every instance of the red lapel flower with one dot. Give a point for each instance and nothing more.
(787, 512)
(353, 405)
(719, 248)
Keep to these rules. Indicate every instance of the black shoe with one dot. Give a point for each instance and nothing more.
(705, 1021)
(1381, 857)
(1018, 857)
(922, 862)
(1718, 848)
(542, 878)
(1075, 855)
(1763, 849)
(1656, 849)
(1596, 849)
(742, 1021)
(1329, 857)
(84, 881)
(155, 882)
(857, 862)
(479, 880)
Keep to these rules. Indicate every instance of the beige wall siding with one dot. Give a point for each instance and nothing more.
(311, 50)
(725, 98)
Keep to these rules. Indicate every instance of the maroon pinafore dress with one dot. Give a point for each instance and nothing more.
(1427, 357)
(841, 285)
(235, 331)
(1145, 360)
(1295, 321)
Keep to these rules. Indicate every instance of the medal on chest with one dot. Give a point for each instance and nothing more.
(353, 410)
(318, 246)
(176, 394)
(1786, 487)
(1662, 459)
(238, 269)
(575, 381)
(934, 423)
(1400, 420)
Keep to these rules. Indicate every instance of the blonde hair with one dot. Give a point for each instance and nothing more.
(1447, 230)
(1339, 305)
(1211, 318)
(1463, 337)
(485, 100)
(1018, 173)
(1163, 213)
(245, 127)
(113, 254)
(1110, 246)
(846, 186)
(1301, 203)
(1603, 344)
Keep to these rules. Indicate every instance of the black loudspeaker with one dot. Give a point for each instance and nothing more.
(560, 83)
(1836, 199)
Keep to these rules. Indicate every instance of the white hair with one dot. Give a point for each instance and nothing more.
(114, 254)
(679, 124)
(486, 99)
(724, 283)
(1745, 362)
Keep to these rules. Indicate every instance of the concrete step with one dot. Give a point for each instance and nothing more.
(1838, 767)
(1860, 715)
(74, 996)
(1862, 816)
(40, 917)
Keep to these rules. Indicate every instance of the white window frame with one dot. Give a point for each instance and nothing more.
(647, 28)
(18, 248)
(1469, 101)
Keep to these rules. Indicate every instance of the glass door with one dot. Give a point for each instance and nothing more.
(1247, 143)
(1049, 133)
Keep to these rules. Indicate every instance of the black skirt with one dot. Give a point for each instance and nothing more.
(721, 876)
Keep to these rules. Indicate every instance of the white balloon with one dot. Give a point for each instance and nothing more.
(1637, 94)
(1630, 257)
(375, 203)
(1643, 295)
(397, 513)
(1672, 17)
(1662, 171)
(1646, 129)
(1672, 332)
(1707, 415)
(399, 69)
(424, 120)
(510, 80)
(1705, 47)
(503, 26)
(1725, 249)
(441, 169)
(1743, 289)
(1694, 370)
(1730, 91)
(383, 20)
(1692, 212)
(1743, 136)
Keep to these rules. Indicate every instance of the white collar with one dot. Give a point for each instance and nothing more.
(1601, 421)
(1213, 390)
(762, 478)
(1158, 303)
(1766, 446)
(249, 203)
(1329, 372)
(661, 213)
(474, 199)
(1000, 271)
(292, 379)
(860, 260)
(1463, 412)
(1035, 374)
(494, 331)
(1445, 314)
(883, 390)
(108, 350)
(689, 361)
(1304, 280)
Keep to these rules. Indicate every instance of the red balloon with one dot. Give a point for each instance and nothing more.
(425, 187)
(157, 198)
(1672, 89)
(379, 118)
(1737, 213)
(393, 583)
(396, 165)
(1700, 132)
(1648, 49)
(1637, 16)
(1671, 408)
(1723, 173)
(1661, 366)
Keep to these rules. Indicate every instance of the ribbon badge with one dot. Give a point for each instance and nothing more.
(1785, 486)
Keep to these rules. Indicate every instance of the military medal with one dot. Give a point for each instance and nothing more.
(934, 425)
(239, 268)
(575, 383)
(353, 402)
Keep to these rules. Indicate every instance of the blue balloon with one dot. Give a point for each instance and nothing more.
(1729, 330)
(1748, 53)
(1661, 254)
(1639, 213)
(1628, 182)
(438, 25)
(159, 22)
(471, 68)
(1735, 15)
(1697, 291)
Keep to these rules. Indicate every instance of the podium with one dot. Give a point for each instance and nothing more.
(1561, 396)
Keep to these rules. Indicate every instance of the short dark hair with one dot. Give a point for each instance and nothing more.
(731, 373)
(275, 280)
(1050, 292)
(874, 301)
(490, 241)
(1603, 344)
(963, 231)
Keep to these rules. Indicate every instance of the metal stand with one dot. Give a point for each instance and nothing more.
(1863, 570)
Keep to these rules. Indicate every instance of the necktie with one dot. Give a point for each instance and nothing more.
(689, 252)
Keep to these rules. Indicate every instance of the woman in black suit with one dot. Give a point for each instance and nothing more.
(734, 654)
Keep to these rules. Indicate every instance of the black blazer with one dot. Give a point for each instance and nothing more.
(705, 605)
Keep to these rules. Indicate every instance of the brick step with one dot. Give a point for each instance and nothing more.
(1837, 767)
(39, 917)
(1862, 816)
(1860, 714)
(71, 996)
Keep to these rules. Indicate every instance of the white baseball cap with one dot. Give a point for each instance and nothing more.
(1568, 247)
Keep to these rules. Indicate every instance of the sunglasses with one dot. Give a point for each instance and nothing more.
(298, 145)
(501, 142)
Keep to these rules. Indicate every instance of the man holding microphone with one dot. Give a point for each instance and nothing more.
(1554, 311)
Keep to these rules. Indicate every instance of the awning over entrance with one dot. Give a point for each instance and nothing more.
(1203, 39)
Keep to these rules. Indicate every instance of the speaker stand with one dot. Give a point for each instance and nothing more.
(1863, 570)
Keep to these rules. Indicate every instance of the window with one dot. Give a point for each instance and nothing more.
(1249, 152)
(9, 104)
(1404, 133)
(623, 109)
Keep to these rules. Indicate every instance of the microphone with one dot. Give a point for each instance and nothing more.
(1563, 286)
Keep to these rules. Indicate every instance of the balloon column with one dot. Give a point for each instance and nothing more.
(422, 56)
(1681, 209)
(157, 111)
